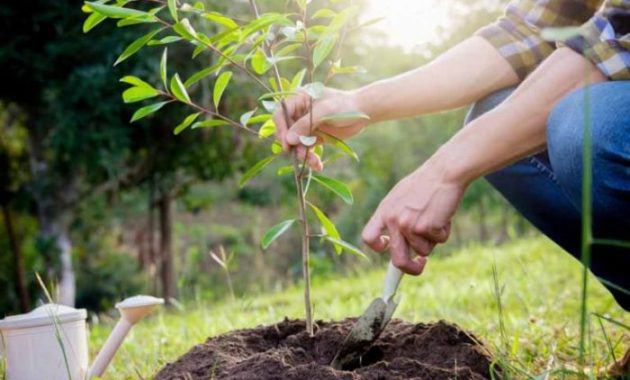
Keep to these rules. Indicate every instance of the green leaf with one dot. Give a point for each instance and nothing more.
(259, 119)
(308, 140)
(92, 21)
(163, 68)
(136, 45)
(136, 94)
(147, 19)
(347, 247)
(147, 110)
(336, 186)
(172, 8)
(269, 105)
(135, 81)
(164, 41)
(115, 11)
(184, 29)
(260, 64)
(257, 168)
(323, 49)
(328, 226)
(284, 170)
(267, 129)
(341, 145)
(297, 80)
(315, 90)
(274, 232)
(246, 116)
(186, 123)
(220, 86)
(178, 89)
(221, 19)
(209, 123)
(350, 115)
(276, 147)
(324, 13)
(276, 94)
(199, 75)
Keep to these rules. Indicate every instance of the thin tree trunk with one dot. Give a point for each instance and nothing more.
(20, 279)
(167, 269)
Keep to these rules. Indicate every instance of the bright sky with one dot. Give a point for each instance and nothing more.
(409, 23)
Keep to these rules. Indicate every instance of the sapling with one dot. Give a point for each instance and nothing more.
(263, 47)
(224, 260)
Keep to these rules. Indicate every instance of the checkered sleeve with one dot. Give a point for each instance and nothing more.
(605, 40)
(516, 35)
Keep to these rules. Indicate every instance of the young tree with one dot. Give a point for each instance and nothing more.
(257, 46)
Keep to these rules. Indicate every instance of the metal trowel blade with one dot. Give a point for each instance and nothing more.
(364, 332)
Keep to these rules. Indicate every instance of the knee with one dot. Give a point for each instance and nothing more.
(565, 127)
(486, 104)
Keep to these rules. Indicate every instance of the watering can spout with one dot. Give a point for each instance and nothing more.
(132, 310)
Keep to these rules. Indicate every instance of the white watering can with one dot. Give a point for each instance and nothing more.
(50, 342)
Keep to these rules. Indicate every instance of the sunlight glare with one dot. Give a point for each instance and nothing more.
(410, 24)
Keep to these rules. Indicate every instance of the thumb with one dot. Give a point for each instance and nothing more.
(303, 127)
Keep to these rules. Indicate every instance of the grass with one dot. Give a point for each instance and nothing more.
(538, 287)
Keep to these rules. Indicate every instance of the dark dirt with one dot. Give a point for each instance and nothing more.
(285, 352)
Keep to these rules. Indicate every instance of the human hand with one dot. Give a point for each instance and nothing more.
(413, 217)
(302, 122)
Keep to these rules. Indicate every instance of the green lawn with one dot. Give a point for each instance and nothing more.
(540, 301)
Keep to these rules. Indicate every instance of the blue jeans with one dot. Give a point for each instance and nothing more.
(547, 187)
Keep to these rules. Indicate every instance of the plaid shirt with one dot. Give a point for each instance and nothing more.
(604, 34)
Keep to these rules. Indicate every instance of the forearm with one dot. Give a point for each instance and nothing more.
(517, 127)
(464, 74)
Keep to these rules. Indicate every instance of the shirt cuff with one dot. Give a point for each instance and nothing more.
(520, 45)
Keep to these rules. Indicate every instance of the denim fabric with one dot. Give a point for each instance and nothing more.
(547, 187)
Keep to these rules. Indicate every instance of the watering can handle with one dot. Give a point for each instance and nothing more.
(392, 280)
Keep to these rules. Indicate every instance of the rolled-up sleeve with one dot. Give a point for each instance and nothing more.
(516, 35)
(605, 40)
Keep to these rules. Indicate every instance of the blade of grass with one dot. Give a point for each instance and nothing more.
(56, 323)
(611, 350)
(587, 182)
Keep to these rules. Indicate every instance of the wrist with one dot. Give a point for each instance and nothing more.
(367, 100)
(448, 165)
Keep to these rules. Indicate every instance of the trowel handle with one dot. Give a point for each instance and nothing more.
(392, 280)
(109, 349)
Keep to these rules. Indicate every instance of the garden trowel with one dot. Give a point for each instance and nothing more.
(369, 325)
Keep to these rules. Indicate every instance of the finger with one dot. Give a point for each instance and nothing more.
(372, 234)
(400, 253)
(419, 244)
(287, 111)
(434, 233)
(309, 157)
(305, 126)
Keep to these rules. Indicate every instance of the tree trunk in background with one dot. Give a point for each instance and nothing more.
(456, 233)
(505, 223)
(153, 259)
(18, 262)
(483, 228)
(67, 282)
(54, 197)
(167, 270)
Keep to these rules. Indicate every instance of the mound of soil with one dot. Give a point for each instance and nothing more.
(285, 352)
